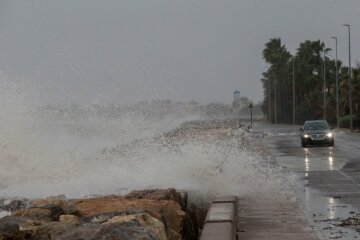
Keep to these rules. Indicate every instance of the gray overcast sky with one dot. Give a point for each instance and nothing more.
(126, 50)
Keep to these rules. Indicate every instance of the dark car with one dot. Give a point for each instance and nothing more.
(316, 132)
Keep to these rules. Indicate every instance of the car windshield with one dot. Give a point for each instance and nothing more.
(316, 126)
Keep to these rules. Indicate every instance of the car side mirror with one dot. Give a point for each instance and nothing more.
(301, 129)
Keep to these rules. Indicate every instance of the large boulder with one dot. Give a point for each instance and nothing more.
(54, 230)
(149, 214)
(69, 219)
(31, 225)
(124, 231)
(46, 213)
(112, 231)
(9, 228)
(62, 203)
(146, 221)
(35, 213)
(171, 211)
(104, 217)
(160, 194)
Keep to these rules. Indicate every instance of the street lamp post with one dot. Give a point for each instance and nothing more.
(337, 82)
(275, 102)
(269, 100)
(324, 84)
(293, 81)
(236, 94)
(350, 80)
(251, 106)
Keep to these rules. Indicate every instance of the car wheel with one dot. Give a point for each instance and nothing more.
(303, 144)
(332, 143)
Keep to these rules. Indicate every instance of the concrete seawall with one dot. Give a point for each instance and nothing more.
(221, 219)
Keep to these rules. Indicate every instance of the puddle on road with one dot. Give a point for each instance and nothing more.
(332, 217)
(320, 187)
(308, 164)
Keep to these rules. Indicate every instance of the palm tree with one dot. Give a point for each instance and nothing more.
(275, 81)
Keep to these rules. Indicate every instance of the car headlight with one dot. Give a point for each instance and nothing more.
(329, 135)
(306, 136)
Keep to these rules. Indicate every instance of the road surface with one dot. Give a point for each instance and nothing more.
(325, 182)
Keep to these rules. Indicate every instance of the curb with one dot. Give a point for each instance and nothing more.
(221, 219)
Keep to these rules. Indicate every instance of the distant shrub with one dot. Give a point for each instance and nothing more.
(344, 122)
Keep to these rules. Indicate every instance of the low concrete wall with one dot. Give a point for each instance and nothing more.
(221, 219)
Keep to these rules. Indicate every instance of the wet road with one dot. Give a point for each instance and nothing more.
(326, 179)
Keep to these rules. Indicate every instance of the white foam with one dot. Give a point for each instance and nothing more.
(4, 214)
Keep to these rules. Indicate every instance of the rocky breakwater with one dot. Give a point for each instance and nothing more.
(148, 214)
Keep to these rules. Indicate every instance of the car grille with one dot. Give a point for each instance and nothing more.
(318, 137)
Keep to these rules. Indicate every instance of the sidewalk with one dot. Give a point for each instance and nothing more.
(268, 218)
(275, 212)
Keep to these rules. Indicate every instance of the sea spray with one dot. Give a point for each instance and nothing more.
(82, 150)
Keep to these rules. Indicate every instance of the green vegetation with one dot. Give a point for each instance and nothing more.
(309, 83)
(344, 121)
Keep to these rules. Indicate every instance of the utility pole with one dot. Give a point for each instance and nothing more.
(251, 106)
(269, 86)
(293, 80)
(337, 81)
(350, 80)
(236, 95)
(275, 102)
(324, 84)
